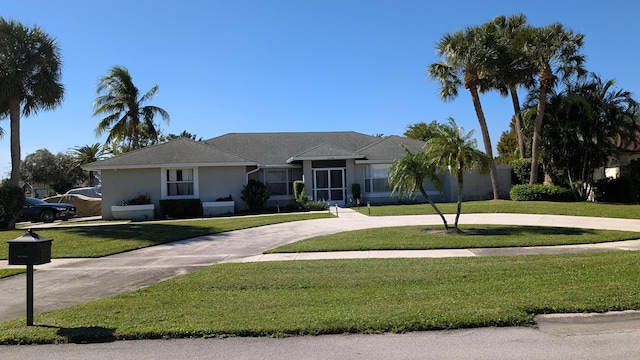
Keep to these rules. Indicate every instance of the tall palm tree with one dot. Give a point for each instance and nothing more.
(84, 155)
(126, 117)
(453, 150)
(469, 57)
(30, 74)
(407, 175)
(551, 49)
(511, 70)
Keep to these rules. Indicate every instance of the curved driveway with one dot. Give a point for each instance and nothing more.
(65, 282)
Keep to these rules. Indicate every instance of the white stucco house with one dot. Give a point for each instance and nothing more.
(328, 163)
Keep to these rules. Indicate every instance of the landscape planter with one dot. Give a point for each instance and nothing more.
(133, 212)
(217, 208)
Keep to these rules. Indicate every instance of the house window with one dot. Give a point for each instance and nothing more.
(376, 178)
(180, 182)
(280, 182)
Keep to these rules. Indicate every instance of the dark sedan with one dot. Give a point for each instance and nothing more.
(40, 210)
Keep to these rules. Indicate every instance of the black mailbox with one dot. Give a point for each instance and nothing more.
(29, 249)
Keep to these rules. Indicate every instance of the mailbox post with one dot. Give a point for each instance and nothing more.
(29, 249)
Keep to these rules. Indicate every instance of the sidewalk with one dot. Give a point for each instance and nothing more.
(66, 282)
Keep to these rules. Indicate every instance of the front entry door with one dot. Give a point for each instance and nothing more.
(329, 185)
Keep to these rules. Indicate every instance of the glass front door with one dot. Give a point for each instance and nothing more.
(329, 185)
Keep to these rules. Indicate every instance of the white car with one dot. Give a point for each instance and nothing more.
(92, 191)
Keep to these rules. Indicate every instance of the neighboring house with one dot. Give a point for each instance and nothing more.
(328, 163)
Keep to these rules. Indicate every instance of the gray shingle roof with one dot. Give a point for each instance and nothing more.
(181, 151)
(263, 148)
(278, 147)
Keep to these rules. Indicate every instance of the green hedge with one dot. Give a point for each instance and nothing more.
(538, 192)
(181, 208)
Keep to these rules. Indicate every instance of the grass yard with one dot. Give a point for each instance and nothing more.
(97, 241)
(10, 272)
(475, 236)
(508, 206)
(347, 296)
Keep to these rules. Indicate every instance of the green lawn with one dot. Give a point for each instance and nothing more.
(348, 296)
(97, 241)
(10, 272)
(508, 206)
(475, 236)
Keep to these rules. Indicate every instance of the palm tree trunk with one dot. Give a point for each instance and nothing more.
(533, 175)
(518, 120)
(460, 196)
(493, 173)
(433, 205)
(14, 117)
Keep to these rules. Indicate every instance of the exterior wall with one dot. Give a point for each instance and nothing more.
(218, 182)
(478, 187)
(120, 185)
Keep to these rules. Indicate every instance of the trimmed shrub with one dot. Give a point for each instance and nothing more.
(181, 208)
(11, 201)
(539, 192)
(298, 191)
(255, 194)
(355, 190)
(521, 171)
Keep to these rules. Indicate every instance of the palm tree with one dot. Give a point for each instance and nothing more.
(551, 49)
(84, 155)
(30, 74)
(511, 68)
(469, 57)
(407, 175)
(126, 119)
(451, 149)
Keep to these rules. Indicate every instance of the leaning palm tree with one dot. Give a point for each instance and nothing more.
(469, 57)
(126, 117)
(84, 155)
(30, 74)
(453, 150)
(551, 49)
(407, 175)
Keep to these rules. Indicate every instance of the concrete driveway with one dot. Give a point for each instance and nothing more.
(65, 282)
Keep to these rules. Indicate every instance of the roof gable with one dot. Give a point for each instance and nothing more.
(391, 147)
(325, 152)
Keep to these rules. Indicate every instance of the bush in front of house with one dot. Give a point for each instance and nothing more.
(11, 201)
(539, 192)
(181, 208)
(521, 171)
(140, 199)
(255, 194)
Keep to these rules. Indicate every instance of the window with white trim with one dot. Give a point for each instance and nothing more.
(280, 181)
(180, 182)
(376, 178)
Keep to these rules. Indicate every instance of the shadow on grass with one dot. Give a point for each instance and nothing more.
(524, 230)
(85, 334)
(154, 233)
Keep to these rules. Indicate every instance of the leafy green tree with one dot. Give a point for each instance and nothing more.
(408, 174)
(55, 171)
(555, 52)
(453, 150)
(84, 155)
(586, 124)
(468, 57)
(183, 134)
(126, 118)
(30, 79)
(421, 131)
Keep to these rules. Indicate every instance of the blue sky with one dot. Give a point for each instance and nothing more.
(287, 65)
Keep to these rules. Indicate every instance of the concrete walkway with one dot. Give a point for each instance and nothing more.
(66, 282)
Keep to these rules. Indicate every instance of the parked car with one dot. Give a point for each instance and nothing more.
(85, 206)
(91, 191)
(40, 210)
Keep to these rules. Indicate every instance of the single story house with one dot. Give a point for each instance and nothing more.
(328, 163)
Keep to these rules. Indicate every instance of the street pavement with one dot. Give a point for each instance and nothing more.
(65, 282)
